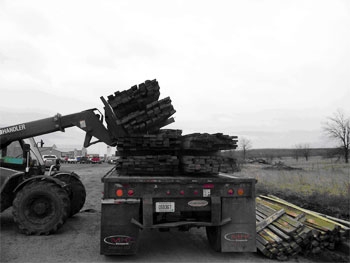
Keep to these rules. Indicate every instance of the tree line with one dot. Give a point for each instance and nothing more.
(337, 127)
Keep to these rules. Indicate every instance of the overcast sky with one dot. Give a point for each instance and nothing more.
(271, 71)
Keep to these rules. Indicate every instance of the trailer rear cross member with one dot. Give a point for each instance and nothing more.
(223, 204)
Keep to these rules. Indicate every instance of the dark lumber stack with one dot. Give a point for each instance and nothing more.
(134, 99)
(201, 153)
(146, 149)
(138, 109)
(148, 165)
(208, 142)
(149, 154)
(165, 141)
(207, 164)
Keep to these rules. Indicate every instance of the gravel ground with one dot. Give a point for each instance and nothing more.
(78, 239)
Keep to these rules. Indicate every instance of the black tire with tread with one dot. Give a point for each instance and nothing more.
(40, 208)
(76, 192)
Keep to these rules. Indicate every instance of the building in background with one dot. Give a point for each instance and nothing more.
(62, 153)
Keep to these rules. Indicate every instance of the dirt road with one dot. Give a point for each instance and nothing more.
(78, 239)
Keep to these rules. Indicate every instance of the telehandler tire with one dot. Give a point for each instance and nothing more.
(76, 191)
(40, 208)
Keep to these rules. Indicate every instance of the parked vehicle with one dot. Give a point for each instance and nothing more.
(72, 160)
(63, 159)
(84, 159)
(96, 159)
(113, 160)
(51, 160)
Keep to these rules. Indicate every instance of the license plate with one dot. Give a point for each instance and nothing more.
(165, 207)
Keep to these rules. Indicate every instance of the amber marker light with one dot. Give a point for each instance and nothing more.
(119, 192)
(240, 191)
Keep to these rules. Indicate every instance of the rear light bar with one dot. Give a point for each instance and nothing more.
(208, 186)
(231, 190)
(120, 192)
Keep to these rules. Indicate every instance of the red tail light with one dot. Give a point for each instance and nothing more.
(130, 192)
(240, 191)
(230, 191)
(119, 192)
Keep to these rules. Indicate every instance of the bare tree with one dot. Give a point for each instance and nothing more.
(297, 151)
(302, 150)
(245, 145)
(306, 151)
(338, 127)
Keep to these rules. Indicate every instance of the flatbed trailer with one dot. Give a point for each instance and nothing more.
(222, 203)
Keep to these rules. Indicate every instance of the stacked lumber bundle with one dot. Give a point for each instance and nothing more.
(149, 154)
(201, 153)
(146, 149)
(165, 141)
(138, 109)
(135, 98)
(284, 229)
(148, 165)
(209, 142)
(207, 164)
(279, 235)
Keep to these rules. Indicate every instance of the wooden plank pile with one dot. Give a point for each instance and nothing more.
(207, 164)
(201, 153)
(284, 230)
(135, 98)
(165, 141)
(148, 165)
(149, 154)
(138, 109)
(146, 149)
(208, 142)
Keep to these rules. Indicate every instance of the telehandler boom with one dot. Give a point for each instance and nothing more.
(41, 203)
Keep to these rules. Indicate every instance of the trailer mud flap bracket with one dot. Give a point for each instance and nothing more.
(180, 223)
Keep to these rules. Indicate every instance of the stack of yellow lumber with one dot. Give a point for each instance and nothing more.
(284, 229)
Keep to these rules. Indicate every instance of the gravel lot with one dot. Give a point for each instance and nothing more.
(78, 239)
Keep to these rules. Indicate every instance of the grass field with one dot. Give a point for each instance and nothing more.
(318, 184)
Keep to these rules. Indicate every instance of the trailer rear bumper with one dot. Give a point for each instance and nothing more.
(231, 229)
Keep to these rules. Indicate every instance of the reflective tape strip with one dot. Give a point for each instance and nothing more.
(120, 201)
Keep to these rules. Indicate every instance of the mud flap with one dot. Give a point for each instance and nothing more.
(118, 235)
(239, 235)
